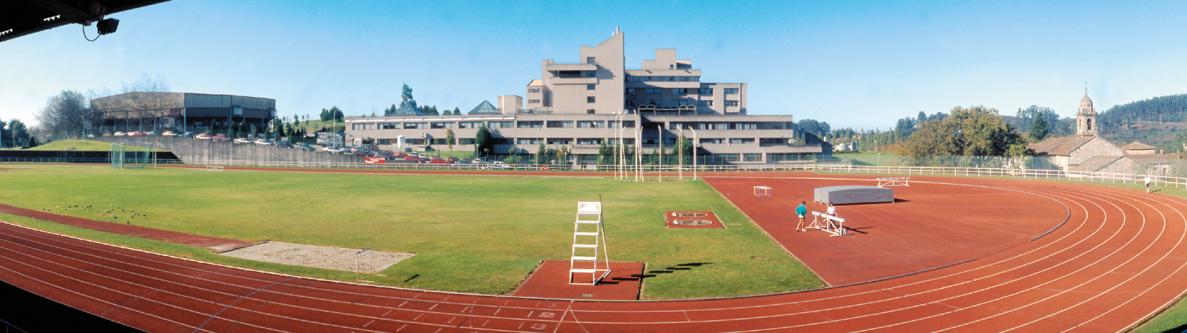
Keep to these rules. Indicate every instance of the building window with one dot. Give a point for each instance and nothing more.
(752, 157)
(706, 91)
(589, 141)
(389, 125)
(654, 91)
(414, 125)
(470, 124)
(527, 141)
(591, 86)
(560, 124)
(439, 125)
(530, 124)
(466, 141)
(533, 90)
(679, 91)
(590, 111)
(591, 99)
(740, 141)
(591, 60)
(731, 91)
(712, 141)
(533, 101)
(590, 124)
(634, 79)
(501, 124)
(731, 103)
(559, 141)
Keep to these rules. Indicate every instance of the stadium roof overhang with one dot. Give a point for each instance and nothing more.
(23, 17)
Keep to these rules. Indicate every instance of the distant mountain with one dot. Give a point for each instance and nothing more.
(1159, 121)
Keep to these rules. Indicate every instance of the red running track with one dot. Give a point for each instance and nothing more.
(1119, 259)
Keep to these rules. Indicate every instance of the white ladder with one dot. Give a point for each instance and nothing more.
(588, 237)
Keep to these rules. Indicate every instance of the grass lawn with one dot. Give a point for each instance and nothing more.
(869, 158)
(81, 145)
(479, 234)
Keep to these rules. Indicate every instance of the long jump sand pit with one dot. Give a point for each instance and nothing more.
(327, 257)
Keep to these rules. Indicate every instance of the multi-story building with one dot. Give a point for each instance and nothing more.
(583, 105)
(180, 112)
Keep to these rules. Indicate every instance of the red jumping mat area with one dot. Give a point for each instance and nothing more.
(551, 280)
(930, 224)
(692, 219)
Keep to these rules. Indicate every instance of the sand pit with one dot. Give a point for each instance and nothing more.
(327, 257)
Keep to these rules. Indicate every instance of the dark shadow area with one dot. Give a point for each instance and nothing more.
(1180, 329)
(22, 311)
(860, 230)
(410, 278)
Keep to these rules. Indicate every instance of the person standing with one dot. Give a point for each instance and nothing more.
(1148, 181)
(801, 211)
(832, 210)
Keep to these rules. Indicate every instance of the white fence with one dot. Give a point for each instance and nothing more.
(669, 171)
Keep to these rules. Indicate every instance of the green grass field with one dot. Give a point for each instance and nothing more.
(81, 145)
(479, 234)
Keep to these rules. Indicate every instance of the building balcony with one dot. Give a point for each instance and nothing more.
(570, 67)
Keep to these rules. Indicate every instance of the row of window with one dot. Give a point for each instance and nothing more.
(634, 78)
(731, 125)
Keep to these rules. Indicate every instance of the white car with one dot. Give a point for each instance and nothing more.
(241, 140)
(120, 134)
(168, 133)
(262, 142)
(202, 136)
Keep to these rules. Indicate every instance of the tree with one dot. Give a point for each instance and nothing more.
(975, 131)
(64, 115)
(406, 99)
(449, 138)
(1039, 129)
(811, 126)
(484, 142)
(17, 135)
(542, 154)
(562, 155)
(605, 154)
(457, 111)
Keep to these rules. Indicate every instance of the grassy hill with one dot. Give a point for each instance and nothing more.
(1159, 121)
(80, 145)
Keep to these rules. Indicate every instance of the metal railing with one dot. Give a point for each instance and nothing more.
(671, 170)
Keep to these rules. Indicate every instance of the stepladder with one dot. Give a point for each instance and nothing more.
(589, 261)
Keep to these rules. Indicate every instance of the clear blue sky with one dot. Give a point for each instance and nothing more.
(859, 64)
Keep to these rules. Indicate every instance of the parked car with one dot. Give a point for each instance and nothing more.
(120, 134)
(262, 142)
(438, 161)
(168, 133)
(219, 137)
(203, 136)
(241, 141)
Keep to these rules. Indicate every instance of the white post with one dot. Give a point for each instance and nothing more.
(659, 156)
(638, 152)
(680, 154)
(695, 143)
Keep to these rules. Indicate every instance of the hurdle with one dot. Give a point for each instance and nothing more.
(894, 181)
(834, 226)
(762, 191)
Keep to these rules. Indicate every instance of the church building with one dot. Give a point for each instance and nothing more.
(1086, 151)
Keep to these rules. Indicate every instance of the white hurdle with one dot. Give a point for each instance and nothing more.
(894, 181)
(833, 225)
(762, 191)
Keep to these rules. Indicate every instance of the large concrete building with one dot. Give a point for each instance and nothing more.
(581, 106)
(179, 112)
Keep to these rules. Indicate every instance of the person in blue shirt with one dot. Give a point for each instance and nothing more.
(801, 211)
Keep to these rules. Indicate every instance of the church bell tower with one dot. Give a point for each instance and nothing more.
(1086, 124)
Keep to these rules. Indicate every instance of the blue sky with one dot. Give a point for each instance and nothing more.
(850, 63)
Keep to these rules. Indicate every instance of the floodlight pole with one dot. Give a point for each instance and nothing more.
(639, 152)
